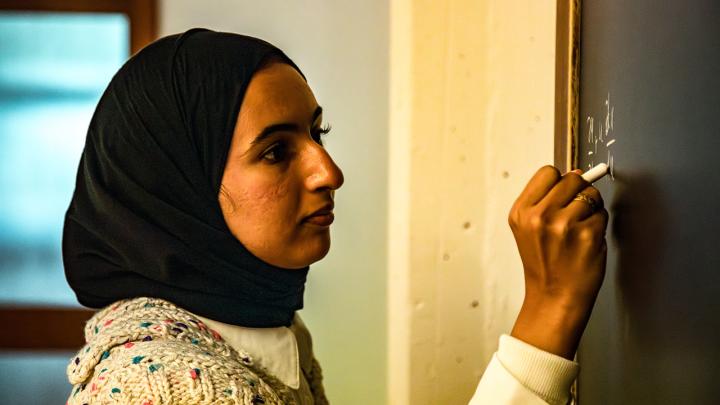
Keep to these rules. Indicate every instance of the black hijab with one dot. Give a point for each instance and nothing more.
(144, 219)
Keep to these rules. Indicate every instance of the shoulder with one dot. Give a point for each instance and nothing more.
(148, 351)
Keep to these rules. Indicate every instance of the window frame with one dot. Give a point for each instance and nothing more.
(44, 328)
(142, 14)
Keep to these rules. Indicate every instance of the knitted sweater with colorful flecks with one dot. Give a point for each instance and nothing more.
(148, 351)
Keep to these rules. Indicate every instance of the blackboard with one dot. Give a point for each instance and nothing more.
(649, 99)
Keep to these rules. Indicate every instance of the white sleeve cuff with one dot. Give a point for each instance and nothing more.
(547, 375)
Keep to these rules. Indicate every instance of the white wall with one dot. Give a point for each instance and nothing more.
(471, 119)
(342, 48)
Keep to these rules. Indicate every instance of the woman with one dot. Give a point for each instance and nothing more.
(203, 195)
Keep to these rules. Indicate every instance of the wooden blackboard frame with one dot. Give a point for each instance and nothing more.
(567, 95)
(567, 83)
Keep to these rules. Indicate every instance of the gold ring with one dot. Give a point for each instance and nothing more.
(589, 200)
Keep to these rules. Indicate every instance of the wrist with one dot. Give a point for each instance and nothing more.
(554, 326)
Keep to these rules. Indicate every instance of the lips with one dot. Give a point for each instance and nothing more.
(323, 216)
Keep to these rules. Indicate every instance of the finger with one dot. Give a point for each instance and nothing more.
(539, 185)
(564, 191)
(597, 224)
(580, 209)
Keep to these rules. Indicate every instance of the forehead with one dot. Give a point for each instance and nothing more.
(276, 94)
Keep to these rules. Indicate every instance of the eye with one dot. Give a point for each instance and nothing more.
(319, 132)
(275, 153)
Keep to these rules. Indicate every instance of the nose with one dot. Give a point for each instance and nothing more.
(322, 172)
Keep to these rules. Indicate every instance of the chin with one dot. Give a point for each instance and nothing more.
(313, 253)
(320, 256)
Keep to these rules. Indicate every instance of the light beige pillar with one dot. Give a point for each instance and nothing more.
(471, 119)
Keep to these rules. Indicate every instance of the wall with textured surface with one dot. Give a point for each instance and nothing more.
(471, 119)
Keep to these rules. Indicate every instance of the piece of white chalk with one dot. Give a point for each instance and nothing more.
(596, 173)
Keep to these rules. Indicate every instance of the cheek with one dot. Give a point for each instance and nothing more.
(265, 209)
(265, 217)
(262, 198)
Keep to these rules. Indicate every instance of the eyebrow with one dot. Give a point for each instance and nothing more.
(283, 127)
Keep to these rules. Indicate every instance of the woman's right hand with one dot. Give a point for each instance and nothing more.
(563, 250)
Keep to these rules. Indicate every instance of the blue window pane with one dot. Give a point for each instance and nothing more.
(53, 69)
(34, 378)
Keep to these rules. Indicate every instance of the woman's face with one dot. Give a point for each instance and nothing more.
(278, 175)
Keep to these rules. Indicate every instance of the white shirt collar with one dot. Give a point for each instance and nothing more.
(274, 349)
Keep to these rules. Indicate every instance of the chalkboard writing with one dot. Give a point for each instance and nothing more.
(604, 136)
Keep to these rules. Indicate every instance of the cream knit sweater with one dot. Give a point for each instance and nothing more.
(148, 351)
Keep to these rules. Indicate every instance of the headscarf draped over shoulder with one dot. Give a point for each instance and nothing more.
(144, 219)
